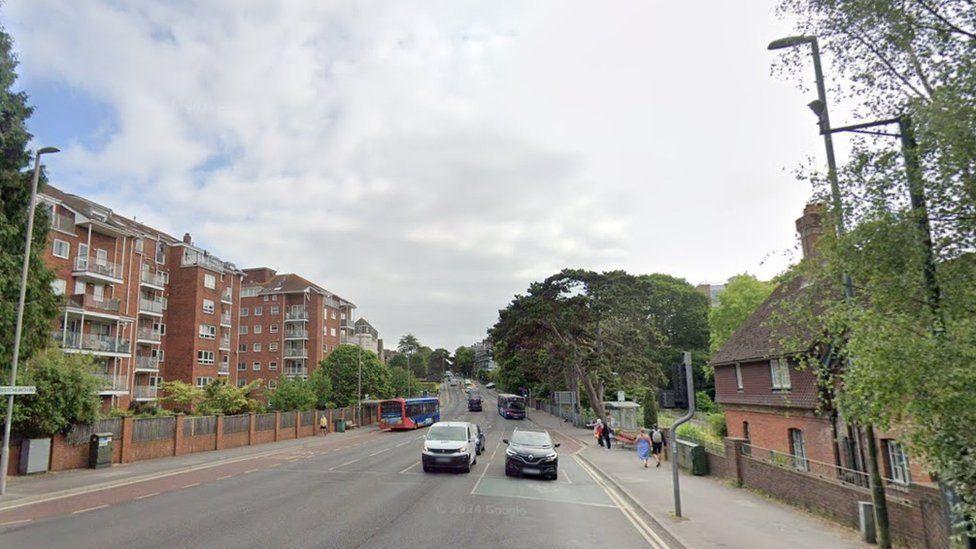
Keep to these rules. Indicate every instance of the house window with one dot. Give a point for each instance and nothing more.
(799, 450)
(241, 383)
(205, 357)
(61, 248)
(98, 292)
(274, 298)
(258, 310)
(139, 245)
(165, 302)
(897, 462)
(333, 315)
(265, 298)
(256, 348)
(272, 366)
(208, 332)
(779, 371)
(242, 366)
(59, 286)
(204, 381)
(273, 328)
(738, 376)
(165, 276)
(256, 366)
(242, 348)
(257, 328)
(242, 330)
(160, 252)
(333, 332)
(275, 310)
(243, 311)
(162, 356)
(208, 306)
(272, 384)
(79, 287)
(159, 327)
(209, 281)
(101, 257)
(273, 346)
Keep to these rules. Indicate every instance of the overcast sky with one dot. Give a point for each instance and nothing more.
(427, 160)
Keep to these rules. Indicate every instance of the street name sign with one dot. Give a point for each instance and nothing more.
(17, 390)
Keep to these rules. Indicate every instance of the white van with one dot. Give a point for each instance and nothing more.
(450, 445)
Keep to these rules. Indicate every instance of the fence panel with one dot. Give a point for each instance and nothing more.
(81, 433)
(237, 424)
(287, 420)
(308, 417)
(199, 425)
(158, 428)
(806, 465)
(264, 422)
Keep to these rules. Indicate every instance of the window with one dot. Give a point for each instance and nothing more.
(241, 383)
(256, 366)
(101, 257)
(208, 306)
(160, 252)
(272, 366)
(139, 245)
(205, 357)
(738, 376)
(98, 292)
(257, 328)
(204, 381)
(799, 450)
(265, 298)
(61, 248)
(208, 331)
(897, 462)
(333, 314)
(242, 348)
(79, 287)
(59, 286)
(225, 360)
(83, 251)
(274, 298)
(243, 311)
(242, 330)
(256, 348)
(779, 371)
(258, 310)
(273, 346)
(272, 384)
(165, 276)
(333, 332)
(165, 302)
(209, 281)
(275, 310)
(273, 328)
(162, 356)
(242, 366)
(161, 328)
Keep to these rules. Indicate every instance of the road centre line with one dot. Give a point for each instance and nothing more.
(380, 452)
(344, 464)
(485, 469)
(11, 523)
(192, 484)
(144, 496)
(95, 508)
(411, 466)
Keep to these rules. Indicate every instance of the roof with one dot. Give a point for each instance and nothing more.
(290, 283)
(103, 214)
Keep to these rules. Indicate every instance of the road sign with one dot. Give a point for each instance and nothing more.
(564, 397)
(17, 390)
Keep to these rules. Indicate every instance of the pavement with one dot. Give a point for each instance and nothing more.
(360, 488)
(715, 513)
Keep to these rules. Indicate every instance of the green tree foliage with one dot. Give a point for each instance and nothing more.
(398, 360)
(221, 397)
(180, 396)
(403, 383)
(343, 367)
(908, 354)
(321, 384)
(408, 344)
(742, 295)
(437, 363)
(292, 394)
(67, 393)
(464, 361)
(15, 184)
(649, 408)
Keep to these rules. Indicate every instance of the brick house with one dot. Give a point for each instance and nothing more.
(774, 405)
(287, 325)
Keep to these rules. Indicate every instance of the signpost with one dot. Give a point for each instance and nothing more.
(18, 390)
(674, 432)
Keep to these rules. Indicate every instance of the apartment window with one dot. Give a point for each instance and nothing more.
(272, 384)
(241, 383)
(159, 327)
(160, 252)
(779, 371)
(799, 450)
(209, 281)
(242, 348)
(256, 348)
(138, 245)
(333, 315)
(208, 332)
(273, 328)
(257, 328)
(79, 287)
(256, 366)
(242, 330)
(162, 356)
(205, 357)
(204, 381)
(59, 286)
(738, 376)
(333, 332)
(242, 366)
(243, 311)
(275, 310)
(225, 360)
(165, 302)
(165, 276)
(897, 462)
(265, 298)
(208, 306)
(98, 292)
(272, 366)
(258, 310)
(101, 257)
(83, 251)
(273, 346)
(61, 248)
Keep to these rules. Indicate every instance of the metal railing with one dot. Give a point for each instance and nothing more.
(91, 342)
(710, 445)
(62, 223)
(296, 314)
(147, 363)
(225, 319)
(223, 369)
(151, 305)
(88, 301)
(806, 465)
(106, 268)
(295, 371)
(295, 352)
(144, 391)
(224, 344)
(296, 334)
(226, 296)
(155, 279)
(200, 260)
(149, 334)
(113, 382)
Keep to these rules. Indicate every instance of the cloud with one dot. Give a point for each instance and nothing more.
(425, 160)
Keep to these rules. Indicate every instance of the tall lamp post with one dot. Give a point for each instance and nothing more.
(819, 107)
(5, 451)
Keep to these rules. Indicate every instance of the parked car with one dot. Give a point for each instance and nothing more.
(450, 445)
(531, 453)
(489, 385)
(481, 439)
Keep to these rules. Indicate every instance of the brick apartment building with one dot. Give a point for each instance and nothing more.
(287, 326)
(131, 292)
(774, 405)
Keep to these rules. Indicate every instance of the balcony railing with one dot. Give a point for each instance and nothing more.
(295, 352)
(225, 319)
(147, 363)
(154, 279)
(296, 334)
(106, 269)
(113, 382)
(91, 342)
(226, 296)
(223, 369)
(296, 314)
(200, 260)
(149, 334)
(225, 344)
(145, 391)
(88, 301)
(151, 305)
(62, 223)
(296, 371)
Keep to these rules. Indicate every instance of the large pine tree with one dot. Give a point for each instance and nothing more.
(15, 182)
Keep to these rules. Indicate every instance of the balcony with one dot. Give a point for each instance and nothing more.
(295, 371)
(145, 392)
(225, 296)
(223, 370)
(151, 306)
(153, 280)
(225, 319)
(63, 223)
(96, 344)
(296, 314)
(224, 344)
(102, 271)
(294, 352)
(147, 364)
(148, 335)
(88, 301)
(296, 334)
(113, 383)
(193, 259)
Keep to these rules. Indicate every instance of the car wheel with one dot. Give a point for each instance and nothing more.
(509, 473)
(554, 476)
(466, 468)
(426, 468)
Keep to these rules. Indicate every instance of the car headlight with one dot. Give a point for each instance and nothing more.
(551, 456)
(462, 450)
(510, 452)
(426, 449)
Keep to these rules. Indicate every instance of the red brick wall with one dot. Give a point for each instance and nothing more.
(263, 437)
(234, 440)
(757, 387)
(771, 430)
(199, 443)
(152, 449)
(265, 356)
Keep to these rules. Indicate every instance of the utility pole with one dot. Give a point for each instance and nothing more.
(359, 386)
(674, 431)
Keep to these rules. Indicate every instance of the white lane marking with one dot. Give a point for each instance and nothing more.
(568, 502)
(224, 477)
(144, 496)
(642, 527)
(250, 471)
(192, 484)
(344, 464)
(402, 443)
(380, 452)
(21, 521)
(89, 509)
(485, 470)
(275, 465)
(411, 466)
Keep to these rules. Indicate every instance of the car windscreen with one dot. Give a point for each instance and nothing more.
(448, 432)
(515, 404)
(532, 438)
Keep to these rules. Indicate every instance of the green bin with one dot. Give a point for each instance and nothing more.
(340, 426)
(692, 457)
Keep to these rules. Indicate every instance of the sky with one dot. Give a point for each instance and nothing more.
(428, 160)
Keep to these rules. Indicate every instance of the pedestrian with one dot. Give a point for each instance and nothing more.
(598, 431)
(324, 425)
(643, 444)
(607, 432)
(657, 442)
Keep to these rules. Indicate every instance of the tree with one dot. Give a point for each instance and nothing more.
(464, 360)
(67, 393)
(321, 384)
(408, 344)
(181, 396)
(741, 296)
(437, 363)
(292, 394)
(398, 360)
(220, 397)
(403, 383)
(343, 367)
(41, 305)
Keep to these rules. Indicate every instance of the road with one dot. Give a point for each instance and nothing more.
(367, 492)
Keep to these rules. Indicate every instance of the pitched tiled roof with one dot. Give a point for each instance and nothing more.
(95, 210)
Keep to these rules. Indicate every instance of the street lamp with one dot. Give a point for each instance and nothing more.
(5, 451)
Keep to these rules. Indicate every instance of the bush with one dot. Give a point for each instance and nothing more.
(717, 425)
(292, 394)
(650, 408)
(691, 432)
(705, 404)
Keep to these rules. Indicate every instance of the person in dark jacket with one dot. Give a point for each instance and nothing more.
(607, 432)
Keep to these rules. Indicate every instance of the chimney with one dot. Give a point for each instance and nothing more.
(810, 227)
(187, 239)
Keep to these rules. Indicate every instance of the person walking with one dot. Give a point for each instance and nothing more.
(598, 431)
(607, 432)
(643, 444)
(657, 442)
(324, 425)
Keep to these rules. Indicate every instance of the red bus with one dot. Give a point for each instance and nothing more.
(409, 413)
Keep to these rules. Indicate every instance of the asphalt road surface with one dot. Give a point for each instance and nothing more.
(368, 492)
